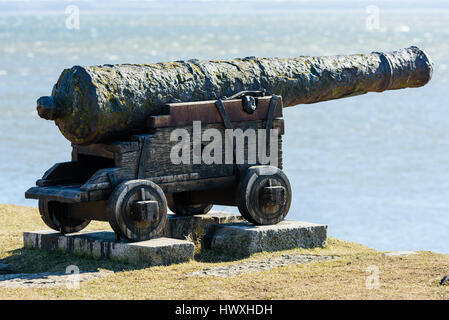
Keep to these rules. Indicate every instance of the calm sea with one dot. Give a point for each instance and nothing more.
(375, 168)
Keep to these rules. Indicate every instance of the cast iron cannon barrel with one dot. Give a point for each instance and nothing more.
(97, 103)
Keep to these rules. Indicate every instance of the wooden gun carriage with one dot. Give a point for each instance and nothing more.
(131, 182)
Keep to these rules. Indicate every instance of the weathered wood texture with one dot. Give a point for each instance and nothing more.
(184, 113)
(159, 165)
(121, 161)
(93, 104)
(122, 216)
(264, 195)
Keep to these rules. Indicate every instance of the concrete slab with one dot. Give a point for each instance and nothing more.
(180, 227)
(100, 244)
(244, 238)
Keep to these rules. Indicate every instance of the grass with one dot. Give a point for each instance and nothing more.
(408, 277)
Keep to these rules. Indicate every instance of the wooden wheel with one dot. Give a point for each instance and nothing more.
(264, 195)
(178, 204)
(54, 214)
(137, 210)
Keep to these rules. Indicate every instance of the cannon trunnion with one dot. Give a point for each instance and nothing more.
(185, 162)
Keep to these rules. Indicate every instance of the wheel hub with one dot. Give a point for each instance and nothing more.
(144, 210)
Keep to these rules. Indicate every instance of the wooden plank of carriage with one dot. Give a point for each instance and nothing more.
(184, 113)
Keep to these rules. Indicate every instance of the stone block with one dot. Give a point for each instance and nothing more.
(180, 227)
(242, 239)
(101, 245)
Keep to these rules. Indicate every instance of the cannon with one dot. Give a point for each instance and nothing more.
(190, 134)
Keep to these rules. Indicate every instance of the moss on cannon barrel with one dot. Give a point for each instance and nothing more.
(93, 104)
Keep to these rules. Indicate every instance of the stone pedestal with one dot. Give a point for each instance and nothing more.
(180, 227)
(217, 230)
(242, 239)
(100, 244)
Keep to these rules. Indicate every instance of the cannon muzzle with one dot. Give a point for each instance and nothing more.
(46, 108)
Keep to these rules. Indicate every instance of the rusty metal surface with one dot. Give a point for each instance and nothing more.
(92, 104)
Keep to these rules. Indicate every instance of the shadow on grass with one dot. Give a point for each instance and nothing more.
(34, 260)
(209, 256)
(25, 260)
